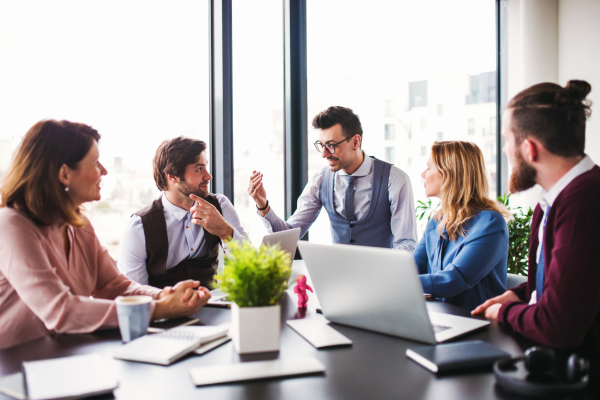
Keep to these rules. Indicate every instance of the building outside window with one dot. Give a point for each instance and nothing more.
(390, 132)
(389, 108)
(471, 127)
(390, 154)
(423, 124)
(423, 151)
(440, 136)
(440, 109)
(493, 126)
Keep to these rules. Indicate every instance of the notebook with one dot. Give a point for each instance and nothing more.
(318, 333)
(167, 347)
(215, 374)
(68, 377)
(456, 356)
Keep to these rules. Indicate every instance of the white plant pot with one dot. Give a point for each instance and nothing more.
(255, 329)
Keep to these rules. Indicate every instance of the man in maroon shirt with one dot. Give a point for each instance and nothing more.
(559, 305)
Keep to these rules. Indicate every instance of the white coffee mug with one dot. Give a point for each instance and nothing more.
(134, 316)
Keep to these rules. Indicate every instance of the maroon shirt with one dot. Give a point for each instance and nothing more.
(568, 314)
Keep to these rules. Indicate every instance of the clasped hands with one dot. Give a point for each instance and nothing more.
(492, 306)
(208, 217)
(182, 300)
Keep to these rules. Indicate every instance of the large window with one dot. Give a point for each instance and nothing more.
(418, 60)
(135, 71)
(257, 107)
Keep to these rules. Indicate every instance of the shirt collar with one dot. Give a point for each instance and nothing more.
(172, 209)
(547, 198)
(364, 169)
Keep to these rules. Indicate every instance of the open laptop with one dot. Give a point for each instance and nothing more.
(378, 290)
(287, 240)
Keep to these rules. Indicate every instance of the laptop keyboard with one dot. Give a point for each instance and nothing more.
(440, 328)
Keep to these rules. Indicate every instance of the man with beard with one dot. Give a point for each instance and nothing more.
(369, 202)
(559, 305)
(177, 237)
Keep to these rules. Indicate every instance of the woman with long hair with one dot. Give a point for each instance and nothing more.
(462, 255)
(55, 277)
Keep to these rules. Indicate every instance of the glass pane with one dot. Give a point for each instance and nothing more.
(427, 68)
(258, 107)
(136, 72)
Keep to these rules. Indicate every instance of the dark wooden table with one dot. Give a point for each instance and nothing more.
(374, 367)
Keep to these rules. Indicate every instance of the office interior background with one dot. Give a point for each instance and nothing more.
(221, 71)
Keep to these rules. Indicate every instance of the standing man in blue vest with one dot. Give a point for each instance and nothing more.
(369, 202)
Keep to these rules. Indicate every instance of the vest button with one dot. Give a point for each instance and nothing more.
(187, 227)
(192, 249)
(352, 241)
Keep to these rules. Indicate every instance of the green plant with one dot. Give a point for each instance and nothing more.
(254, 278)
(519, 229)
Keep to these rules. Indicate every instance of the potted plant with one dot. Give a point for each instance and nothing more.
(255, 281)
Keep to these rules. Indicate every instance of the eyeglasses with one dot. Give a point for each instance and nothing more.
(330, 146)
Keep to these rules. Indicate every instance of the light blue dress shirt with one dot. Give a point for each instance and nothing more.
(470, 270)
(186, 240)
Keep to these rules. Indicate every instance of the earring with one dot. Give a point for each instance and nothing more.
(66, 188)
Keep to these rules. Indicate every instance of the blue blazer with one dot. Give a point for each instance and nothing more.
(470, 270)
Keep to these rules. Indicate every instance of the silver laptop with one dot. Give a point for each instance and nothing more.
(287, 240)
(378, 290)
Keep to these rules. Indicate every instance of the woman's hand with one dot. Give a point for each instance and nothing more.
(181, 300)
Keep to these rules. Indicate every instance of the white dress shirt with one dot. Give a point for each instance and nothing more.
(403, 223)
(547, 199)
(186, 240)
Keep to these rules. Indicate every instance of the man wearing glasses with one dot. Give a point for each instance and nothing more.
(369, 202)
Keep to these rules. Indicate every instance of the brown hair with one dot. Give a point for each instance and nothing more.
(31, 184)
(173, 156)
(464, 191)
(339, 115)
(554, 115)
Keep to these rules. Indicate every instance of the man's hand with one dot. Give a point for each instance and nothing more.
(208, 217)
(491, 307)
(257, 191)
(182, 300)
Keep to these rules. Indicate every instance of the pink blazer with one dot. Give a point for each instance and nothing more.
(41, 292)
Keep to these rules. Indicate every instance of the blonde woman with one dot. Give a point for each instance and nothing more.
(462, 255)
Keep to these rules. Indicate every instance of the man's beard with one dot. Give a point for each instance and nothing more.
(186, 190)
(523, 175)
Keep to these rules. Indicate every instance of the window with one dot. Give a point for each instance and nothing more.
(409, 161)
(471, 126)
(423, 151)
(389, 108)
(409, 134)
(417, 94)
(257, 107)
(139, 75)
(493, 126)
(440, 136)
(390, 132)
(423, 124)
(390, 154)
(440, 109)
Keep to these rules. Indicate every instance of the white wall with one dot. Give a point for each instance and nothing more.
(555, 41)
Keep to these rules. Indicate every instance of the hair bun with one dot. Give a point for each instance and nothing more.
(578, 89)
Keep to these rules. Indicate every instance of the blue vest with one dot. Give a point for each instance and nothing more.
(374, 229)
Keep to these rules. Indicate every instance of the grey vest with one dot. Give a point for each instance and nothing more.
(374, 229)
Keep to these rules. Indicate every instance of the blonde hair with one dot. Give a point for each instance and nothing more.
(464, 192)
(31, 184)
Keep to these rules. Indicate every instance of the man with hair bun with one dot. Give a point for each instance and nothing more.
(177, 237)
(369, 202)
(559, 305)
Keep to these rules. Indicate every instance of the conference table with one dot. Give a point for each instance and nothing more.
(374, 367)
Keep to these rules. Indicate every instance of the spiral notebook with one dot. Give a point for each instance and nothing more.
(169, 346)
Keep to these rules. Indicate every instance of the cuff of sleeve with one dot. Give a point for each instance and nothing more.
(427, 284)
(503, 312)
(266, 220)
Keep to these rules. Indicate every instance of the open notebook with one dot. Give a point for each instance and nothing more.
(167, 347)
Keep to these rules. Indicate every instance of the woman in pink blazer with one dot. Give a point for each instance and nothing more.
(55, 276)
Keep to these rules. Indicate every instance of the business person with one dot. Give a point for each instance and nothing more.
(54, 274)
(559, 305)
(462, 255)
(369, 202)
(177, 237)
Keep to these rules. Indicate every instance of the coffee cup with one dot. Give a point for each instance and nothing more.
(134, 316)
